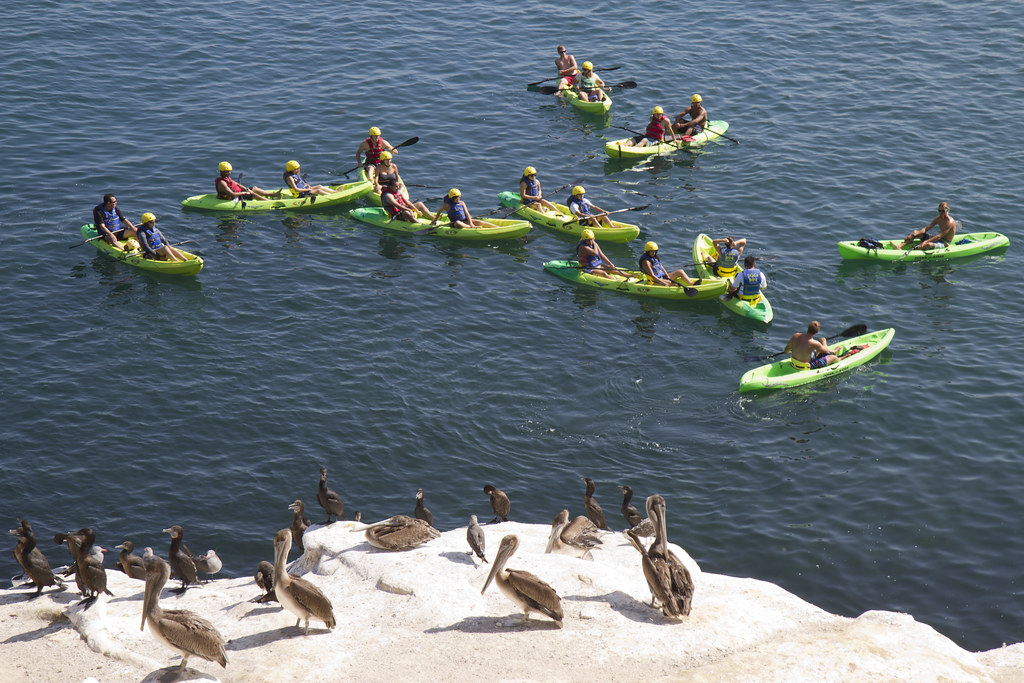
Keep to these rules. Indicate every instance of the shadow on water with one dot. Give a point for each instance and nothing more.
(123, 278)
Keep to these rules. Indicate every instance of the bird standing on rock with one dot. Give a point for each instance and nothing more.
(299, 523)
(209, 563)
(31, 558)
(521, 587)
(593, 508)
(298, 596)
(499, 503)
(264, 578)
(669, 580)
(329, 500)
(182, 561)
(574, 538)
(475, 538)
(643, 527)
(130, 563)
(400, 533)
(421, 512)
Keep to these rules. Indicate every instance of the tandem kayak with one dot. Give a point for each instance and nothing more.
(964, 244)
(348, 192)
(600, 107)
(505, 228)
(636, 283)
(781, 374)
(702, 250)
(189, 267)
(624, 148)
(619, 232)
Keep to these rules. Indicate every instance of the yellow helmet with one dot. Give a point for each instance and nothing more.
(385, 155)
(375, 131)
(147, 217)
(587, 66)
(454, 192)
(588, 234)
(657, 110)
(223, 166)
(577, 190)
(291, 165)
(696, 98)
(651, 246)
(529, 170)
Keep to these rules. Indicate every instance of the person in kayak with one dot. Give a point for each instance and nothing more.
(583, 209)
(372, 146)
(944, 238)
(110, 223)
(657, 128)
(299, 187)
(458, 212)
(565, 65)
(530, 193)
(588, 84)
(749, 282)
(808, 353)
(727, 256)
(651, 266)
(227, 188)
(592, 259)
(398, 207)
(153, 243)
(698, 118)
(385, 172)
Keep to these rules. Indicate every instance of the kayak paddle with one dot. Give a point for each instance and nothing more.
(640, 277)
(608, 213)
(410, 141)
(852, 331)
(607, 68)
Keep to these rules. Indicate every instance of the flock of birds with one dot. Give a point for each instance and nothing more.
(191, 635)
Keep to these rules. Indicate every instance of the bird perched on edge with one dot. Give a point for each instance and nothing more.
(31, 558)
(329, 499)
(400, 533)
(475, 538)
(182, 561)
(593, 508)
(669, 580)
(209, 564)
(300, 522)
(643, 526)
(521, 587)
(499, 503)
(421, 511)
(130, 563)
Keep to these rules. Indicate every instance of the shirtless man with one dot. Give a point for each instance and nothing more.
(806, 352)
(566, 67)
(947, 230)
(698, 118)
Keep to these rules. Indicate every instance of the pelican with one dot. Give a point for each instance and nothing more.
(295, 594)
(299, 523)
(593, 508)
(522, 587)
(129, 563)
(32, 559)
(182, 561)
(400, 533)
(667, 577)
(574, 538)
(476, 539)
(643, 527)
(499, 503)
(209, 563)
(329, 500)
(265, 580)
(178, 629)
(421, 511)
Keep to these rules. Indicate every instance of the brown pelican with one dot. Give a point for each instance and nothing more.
(574, 538)
(499, 503)
(400, 533)
(421, 511)
(299, 523)
(522, 587)
(667, 577)
(593, 508)
(209, 563)
(32, 559)
(643, 527)
(329, 500)
(182, 562)
(295, 594)
(265, 580)
(93, 574)
(475, 537)
(178, 629)
(130, 564)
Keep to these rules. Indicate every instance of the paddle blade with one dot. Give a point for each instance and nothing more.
(547, 90)
(426, 231)
(625, 85)
(410, 141)
(690, 291)
(853, 331)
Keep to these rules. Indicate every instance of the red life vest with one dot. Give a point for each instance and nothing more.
(655, 130)
(373, 153)
(392, 209)
(232, 185)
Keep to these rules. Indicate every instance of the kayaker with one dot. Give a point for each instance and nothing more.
(566, 67)
(651, 266)
(153, 243)
(749, 282)
(385, 172)
(399, 207)
(372, 146)
(592, 259)
(299, 187)
(657, 128)
(698, 118)
(944, 238)
(110, 223)
(806, 352)
(227, 188)
(530, 192)
(583, 209)
(727, 256)
(458, 212)
(588, 84)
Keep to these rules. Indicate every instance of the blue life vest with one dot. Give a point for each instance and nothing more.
(456, 212)
(150, 237)
(300, 184)
(532, 189)
(111, 218)
(589, 262)
(656, 267)
(728, 260)
(580, 206)
(750, 286)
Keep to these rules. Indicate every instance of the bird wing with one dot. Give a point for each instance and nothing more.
(581, 532)
(194, 634)
(682, 583)
(312, 599)
(536, 593)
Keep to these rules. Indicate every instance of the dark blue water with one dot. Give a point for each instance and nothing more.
(132, 401)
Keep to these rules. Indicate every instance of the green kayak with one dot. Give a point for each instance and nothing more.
(761, 311)
(601, 107)
(506, 228)
(964, 244)
(781, 374)
(624, 149)
(619, 232)
(636, 283)
(348, 192)
(191, 266)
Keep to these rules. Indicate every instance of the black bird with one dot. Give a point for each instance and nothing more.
(85, 539)
(94, 575)
(300, 522)
(32, 559)
(74, 541)
(499, 503)
(421, 512)
(329, 500)
(642, 526)
(129, 563)
(265, 580)
(593, 508)
(181, 559)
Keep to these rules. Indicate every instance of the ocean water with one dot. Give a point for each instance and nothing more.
(132, 401)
